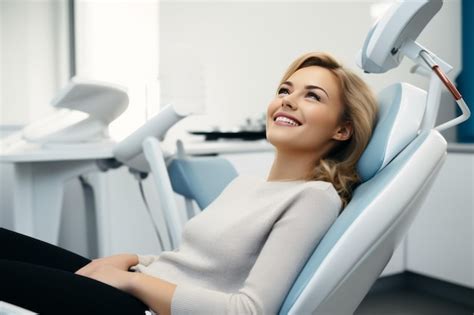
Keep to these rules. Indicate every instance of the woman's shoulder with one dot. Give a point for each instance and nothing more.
(322, 189)
(319, 184)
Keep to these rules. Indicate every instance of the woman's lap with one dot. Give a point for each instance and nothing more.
(40, 277)
(47, 290)
(19, 247)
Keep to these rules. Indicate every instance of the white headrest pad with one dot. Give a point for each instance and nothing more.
(401, 110)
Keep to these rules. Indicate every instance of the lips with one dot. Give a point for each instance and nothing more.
(280, 114)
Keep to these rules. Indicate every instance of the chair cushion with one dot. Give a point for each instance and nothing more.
(401, 110)
(201, 178)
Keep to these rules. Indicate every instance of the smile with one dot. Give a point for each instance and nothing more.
(285, 121)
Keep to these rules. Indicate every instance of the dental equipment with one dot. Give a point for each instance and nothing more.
(86, 108)
(141, 151)
(393, 37)
(53, 150)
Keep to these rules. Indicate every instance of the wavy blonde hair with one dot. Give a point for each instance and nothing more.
(338, 166)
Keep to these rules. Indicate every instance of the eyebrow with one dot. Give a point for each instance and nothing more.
(308, 87)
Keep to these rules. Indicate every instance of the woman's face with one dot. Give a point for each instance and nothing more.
(305, 114)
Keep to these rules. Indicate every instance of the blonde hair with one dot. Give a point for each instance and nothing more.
(338, 166)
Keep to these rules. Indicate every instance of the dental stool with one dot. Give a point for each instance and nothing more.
(397, 170)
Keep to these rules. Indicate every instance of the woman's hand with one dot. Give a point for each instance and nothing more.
(154, 292)
(112, 276)
(121, 262)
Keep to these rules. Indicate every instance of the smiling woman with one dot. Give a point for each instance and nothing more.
(320, 121)
(230, 258)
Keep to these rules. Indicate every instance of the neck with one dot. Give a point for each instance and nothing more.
(291, 165)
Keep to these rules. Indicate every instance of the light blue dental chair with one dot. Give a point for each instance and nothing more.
(397, 170)
(201, 179)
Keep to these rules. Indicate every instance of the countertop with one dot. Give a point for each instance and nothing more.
(22, 151)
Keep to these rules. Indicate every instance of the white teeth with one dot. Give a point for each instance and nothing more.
(287, 120)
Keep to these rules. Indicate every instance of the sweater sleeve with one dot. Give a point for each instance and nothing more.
(146, 260)
(288, 246)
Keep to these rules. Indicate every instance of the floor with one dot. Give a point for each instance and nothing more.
(409, 301)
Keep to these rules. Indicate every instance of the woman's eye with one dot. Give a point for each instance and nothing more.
(314, 96)
(283, 91)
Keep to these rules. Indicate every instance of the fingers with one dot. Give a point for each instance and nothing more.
(81, 272)
(120, 261)
(88, 269)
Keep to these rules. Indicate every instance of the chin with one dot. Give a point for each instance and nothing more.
(282, 141)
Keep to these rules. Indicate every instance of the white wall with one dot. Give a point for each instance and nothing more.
(118, 42)
(34, 61)
(245, 46)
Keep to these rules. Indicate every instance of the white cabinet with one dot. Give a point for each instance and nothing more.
(440, 243)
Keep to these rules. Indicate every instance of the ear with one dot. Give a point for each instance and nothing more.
(344, 131)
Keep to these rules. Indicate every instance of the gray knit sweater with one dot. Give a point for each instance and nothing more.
(243, 252)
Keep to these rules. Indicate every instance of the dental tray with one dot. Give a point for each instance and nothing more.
(243, 135)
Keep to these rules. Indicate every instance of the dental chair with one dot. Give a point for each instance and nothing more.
(397, 168)
(199, 179)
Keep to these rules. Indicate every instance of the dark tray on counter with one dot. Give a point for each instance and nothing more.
(243, 135)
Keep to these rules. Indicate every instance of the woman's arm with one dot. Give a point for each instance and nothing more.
(154, 292)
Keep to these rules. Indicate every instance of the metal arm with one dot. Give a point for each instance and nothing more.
(438, 67)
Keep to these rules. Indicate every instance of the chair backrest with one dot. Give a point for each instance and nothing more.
(397, 169)
(201, 178)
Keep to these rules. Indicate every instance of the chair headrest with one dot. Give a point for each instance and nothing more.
(401, 110)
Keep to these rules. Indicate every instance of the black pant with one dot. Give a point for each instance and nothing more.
(40, 277)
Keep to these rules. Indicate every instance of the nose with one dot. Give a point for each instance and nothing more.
(287, 102)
